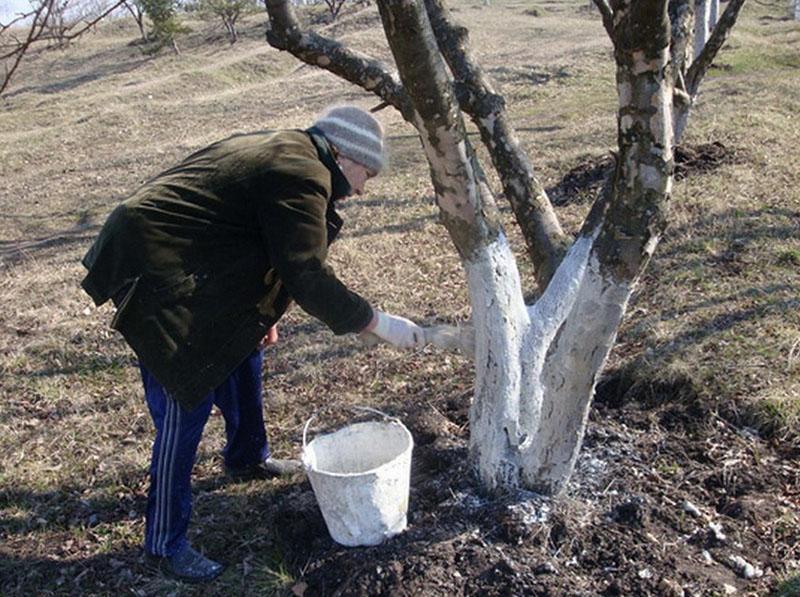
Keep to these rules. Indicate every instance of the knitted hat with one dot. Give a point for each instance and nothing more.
(355, 134)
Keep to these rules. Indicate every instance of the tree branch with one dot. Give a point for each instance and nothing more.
(285, 34)
(38, 23)
(545, 240)
(466, 205)
(89, 24)
(40, 20)
(719, 36)
(608, 16)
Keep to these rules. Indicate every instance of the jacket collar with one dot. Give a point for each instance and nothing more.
(339, 185)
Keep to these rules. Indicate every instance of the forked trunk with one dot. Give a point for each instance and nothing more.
(536, 366)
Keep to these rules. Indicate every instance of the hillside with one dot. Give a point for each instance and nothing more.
(700, 404)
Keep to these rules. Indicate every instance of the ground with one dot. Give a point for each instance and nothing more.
(691, 456)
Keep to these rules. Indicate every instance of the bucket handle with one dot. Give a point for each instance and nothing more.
(355, 407)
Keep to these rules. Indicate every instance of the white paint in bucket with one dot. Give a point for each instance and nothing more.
(360, 475)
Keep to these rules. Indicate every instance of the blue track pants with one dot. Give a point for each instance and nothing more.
(178, 431)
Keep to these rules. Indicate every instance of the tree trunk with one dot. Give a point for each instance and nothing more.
(797, 10)
(535, 366)
(713, 14)
(702, 11)
(691, 77)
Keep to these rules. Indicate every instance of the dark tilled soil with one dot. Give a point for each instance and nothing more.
(667, 499)
(584, 181)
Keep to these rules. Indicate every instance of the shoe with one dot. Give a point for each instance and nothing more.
(267, 469)
(188, 565)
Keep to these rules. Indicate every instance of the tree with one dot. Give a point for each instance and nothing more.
(136, 8)
(535, 365)
(228, 11)
(334, 7)
(797, 10)
(713, 14)
(164, 18)
(702, 24)
(48, 23)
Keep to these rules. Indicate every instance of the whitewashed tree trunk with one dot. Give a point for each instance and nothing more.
(529, 409)
(689, 73)
(535, 365)
(702, 19)
(797, 10)
(713, 14)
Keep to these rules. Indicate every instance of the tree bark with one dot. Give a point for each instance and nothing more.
(545, 240)
(631, 227)
(536, 366)
(701, 24)
(693, 76)
(285, 34)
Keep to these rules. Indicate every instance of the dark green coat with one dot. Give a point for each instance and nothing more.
(205, 257)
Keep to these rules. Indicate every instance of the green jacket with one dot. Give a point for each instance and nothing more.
(206, 256)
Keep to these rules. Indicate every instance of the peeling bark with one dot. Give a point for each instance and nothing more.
(643, 177)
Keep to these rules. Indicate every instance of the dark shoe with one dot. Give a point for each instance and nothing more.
(188, 565)
(268, 469)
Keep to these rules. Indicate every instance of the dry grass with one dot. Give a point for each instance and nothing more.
(719, 307)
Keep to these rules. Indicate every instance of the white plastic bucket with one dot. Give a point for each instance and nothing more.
(360, 476)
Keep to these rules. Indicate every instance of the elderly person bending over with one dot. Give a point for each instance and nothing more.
(201, 262)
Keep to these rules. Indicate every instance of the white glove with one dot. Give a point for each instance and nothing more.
(398, 331)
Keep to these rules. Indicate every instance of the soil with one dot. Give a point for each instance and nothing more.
(667, 499)
(582, 182)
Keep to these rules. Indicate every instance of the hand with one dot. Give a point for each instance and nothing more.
(397, 331)
(270, 338)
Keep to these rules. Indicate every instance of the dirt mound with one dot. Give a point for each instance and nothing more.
(656, 507)
(582, 182)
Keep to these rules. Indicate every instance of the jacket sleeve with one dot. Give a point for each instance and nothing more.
(294, 229)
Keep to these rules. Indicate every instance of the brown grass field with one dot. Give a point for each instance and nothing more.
(700, 403)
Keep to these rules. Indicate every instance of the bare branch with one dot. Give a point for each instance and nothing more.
(39, 31)
(285, 34)
(39, 18)
(92, 22)
(545, 240)
(719, 36)
(608, 16)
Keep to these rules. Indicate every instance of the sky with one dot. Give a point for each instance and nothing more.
(9, 7)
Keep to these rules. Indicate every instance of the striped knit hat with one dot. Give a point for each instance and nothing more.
(355, 134)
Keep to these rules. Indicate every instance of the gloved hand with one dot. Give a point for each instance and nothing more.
(398, 331)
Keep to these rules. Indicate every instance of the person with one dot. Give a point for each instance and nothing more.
(201, 262)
